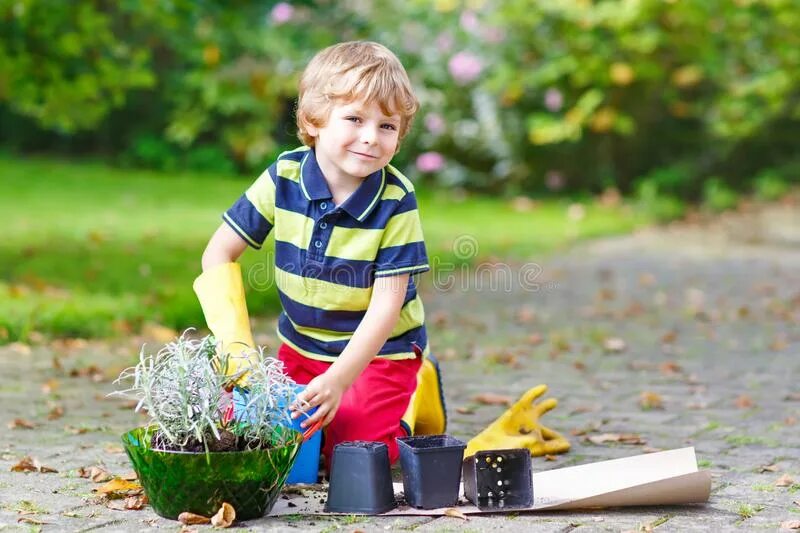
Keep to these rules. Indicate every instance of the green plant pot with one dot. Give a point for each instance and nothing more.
(200, 482)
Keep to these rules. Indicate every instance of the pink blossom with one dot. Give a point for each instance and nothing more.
(469, 21)
(554, 180)
(430, 162)
(553, 99)
(435, 123)
(444, 42)
(282, 13)
(464, 67)
(493, 34)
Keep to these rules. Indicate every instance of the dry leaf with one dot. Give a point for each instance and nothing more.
(31, 464)
(525, 315)
(792, 397)
(789, 421)
(129, 476)
(489, 398)
(55, 413)
(455, 513)
(614, 345)
(113, 448)
(624, 438)
(744, 402)
(768, 468)
(579, 365)
(784, 481)
(191, 519)
(32, 521)
(535, 339)
(550, 458)
(778, 344)
(650, 449)
(790, 524)
(669, 368)
(650, 400)
(465, 410)
(50, 386)
(76, 430)
(225, 516)
(131, 503)
(647, 279)
(21, 423)
(95, 473)
(120, 487)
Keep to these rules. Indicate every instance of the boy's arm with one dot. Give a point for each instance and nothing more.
(326, 390)
(225, 246)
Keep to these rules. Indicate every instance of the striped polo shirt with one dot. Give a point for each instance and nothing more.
(327, 256)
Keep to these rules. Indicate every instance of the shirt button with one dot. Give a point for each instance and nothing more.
(318, 244)
(323, 205)
(323, 225)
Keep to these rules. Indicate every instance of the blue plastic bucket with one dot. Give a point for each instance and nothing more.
(306, 465)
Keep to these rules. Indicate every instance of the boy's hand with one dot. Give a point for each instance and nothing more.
(324, 392)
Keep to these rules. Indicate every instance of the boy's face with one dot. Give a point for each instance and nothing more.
(357, 140)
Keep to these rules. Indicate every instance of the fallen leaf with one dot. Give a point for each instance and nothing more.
(579, 365)
(792, 397)
(129, 476)
(113, 448)
(76, 430)
(535, 339)
(614, 345)
(669, 337)
(32, 521)
(650, 449)
(646, 279)
(669, 368)
(489, 398)
(789, 421)
(159, 333)
(21, 423)
(623, 438)
(95, 473)
(778, 344)
(790, 524)
(650, 400)
(744, 402)
(465, 410)
(120, 487)
(550, 458)
(455, 513)
(191, 519)
(784, 481)
(131, 503)
(55, 413)
(225, 516)
(50, 386)
(31, 464)
(525, 315)
(768, 468)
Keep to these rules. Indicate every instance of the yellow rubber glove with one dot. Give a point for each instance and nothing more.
(221, 294)
(519, 427)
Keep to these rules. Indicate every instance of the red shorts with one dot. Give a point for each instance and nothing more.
(371, 408)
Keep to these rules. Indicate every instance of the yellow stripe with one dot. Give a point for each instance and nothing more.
(322, 294)
(354, 243)
(393, 192)
(396, 271)
(262, 195)
(298, 149)
(288, 169)
(411, 316)
(241, 232)
(404, 180)
(402, 229)
(293, 228)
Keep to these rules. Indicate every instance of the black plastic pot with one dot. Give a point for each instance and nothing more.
(499, 479)
(431, 470)
(361, 479)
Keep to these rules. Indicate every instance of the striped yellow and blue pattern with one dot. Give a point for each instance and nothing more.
(327, 256)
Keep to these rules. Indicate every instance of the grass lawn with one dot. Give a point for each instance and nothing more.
(91, 250)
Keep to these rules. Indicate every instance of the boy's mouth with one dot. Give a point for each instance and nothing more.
(366, 156)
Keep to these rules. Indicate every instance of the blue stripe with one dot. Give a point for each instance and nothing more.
(347, 272)
(341, 321)
(247, 217)
(393, 257)
(398, 344)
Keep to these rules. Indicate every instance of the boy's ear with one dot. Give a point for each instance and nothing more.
(311, 129)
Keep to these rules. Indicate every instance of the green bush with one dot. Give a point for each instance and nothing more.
(770, 185)
(513, 92)
(717, 196)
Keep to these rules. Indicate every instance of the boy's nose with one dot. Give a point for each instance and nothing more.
(368, 136)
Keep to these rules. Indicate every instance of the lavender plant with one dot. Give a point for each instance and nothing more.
(182, 389)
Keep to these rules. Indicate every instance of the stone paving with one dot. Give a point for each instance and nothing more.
(680, 336)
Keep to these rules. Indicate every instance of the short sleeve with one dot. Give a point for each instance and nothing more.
(402, 248)
(252, 216)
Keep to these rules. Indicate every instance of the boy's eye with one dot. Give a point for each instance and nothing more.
(391, 127)
(353, 119)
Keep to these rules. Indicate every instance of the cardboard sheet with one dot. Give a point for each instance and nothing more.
(663, 478)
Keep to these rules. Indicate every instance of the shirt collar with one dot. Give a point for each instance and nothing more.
(359, 205)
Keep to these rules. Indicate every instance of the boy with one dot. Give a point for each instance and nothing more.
(347, 240)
